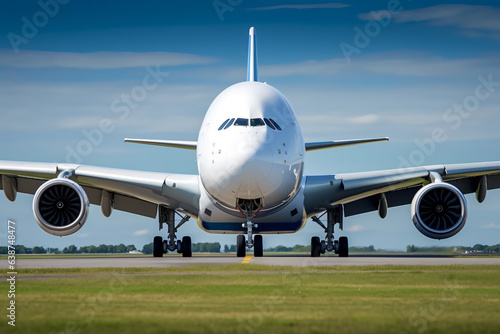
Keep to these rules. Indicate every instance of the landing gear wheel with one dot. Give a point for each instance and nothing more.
(315, 247)
(240, 246)
(186, 247)
(258, 247)
(343, 247)
(157, 247)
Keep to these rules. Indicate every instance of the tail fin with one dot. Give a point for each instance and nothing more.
(252, 73)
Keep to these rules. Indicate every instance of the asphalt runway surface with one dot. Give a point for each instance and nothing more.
(300, 261)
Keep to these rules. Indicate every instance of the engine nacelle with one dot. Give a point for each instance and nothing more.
(60, 206)
(439, 210)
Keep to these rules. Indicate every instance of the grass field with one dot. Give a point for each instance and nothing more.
(248, 298)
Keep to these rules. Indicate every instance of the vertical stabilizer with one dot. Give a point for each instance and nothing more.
(252, 74)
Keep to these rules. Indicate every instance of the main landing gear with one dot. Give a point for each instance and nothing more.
(250, 209)
(341, 246)
(160, 246)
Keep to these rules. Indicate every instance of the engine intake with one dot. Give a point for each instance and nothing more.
(60, 206)
(439, 210)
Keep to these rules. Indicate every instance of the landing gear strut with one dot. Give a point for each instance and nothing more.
(341, 246)
(250, 209)
(160, 246)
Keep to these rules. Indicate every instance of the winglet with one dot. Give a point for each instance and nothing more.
(252, 73)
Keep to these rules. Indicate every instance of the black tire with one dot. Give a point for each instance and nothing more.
(343, 247)
(240, 246)
(258, 246)
(157, 247)
(315, 247)
(187, 251)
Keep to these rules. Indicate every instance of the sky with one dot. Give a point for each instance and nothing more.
(76, 72)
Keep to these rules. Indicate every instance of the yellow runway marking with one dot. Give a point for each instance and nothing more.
(247, 259)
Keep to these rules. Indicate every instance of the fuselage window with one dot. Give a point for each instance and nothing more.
(257, 122)
(223, 124)
(275, 124)
(229, 123)
(269, 124)
(241, 122)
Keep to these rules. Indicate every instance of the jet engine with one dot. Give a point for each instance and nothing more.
(60, 206)
(439, 210)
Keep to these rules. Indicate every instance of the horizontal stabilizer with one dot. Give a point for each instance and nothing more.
(340, 143)
(188, 145)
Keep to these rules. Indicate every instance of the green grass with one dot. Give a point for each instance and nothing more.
(247, 298)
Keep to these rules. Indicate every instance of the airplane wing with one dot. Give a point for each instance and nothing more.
(131, 191)
(379, 190)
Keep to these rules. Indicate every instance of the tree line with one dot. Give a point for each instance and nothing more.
(201, 247)
(215, 247)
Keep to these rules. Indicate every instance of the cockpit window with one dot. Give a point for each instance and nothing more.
(229, 123)
(252, 122)
(269, 124)
(257, 122)
(275, 124)
(223, 124)
(241, 122)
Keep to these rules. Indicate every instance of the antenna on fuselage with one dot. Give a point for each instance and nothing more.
(252, 73)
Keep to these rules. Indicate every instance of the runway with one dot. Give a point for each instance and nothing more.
(299, 261)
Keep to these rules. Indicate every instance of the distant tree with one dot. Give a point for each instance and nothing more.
(214, 247)
(148, 249)
(410, 249)
(102, 249)
(231, 248)
(38, 250)
(301, 248)
(20, 249)
(226, 249)
(131, 248)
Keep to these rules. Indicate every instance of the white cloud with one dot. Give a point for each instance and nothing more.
(412, 65)
(308, 6)
(140, 232)
(355, 228)
(97, 60)
(480, 19)
(492, 226)
(363, 119)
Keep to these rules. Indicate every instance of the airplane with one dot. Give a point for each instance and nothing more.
(250, 156)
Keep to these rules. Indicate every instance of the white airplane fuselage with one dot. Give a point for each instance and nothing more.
(251, 149)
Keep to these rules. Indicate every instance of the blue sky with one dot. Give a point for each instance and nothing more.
(66, 68)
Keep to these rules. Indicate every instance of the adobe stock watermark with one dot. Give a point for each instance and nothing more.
(454, 118)
(372, 29)
(223, 6)
(12, 272)
(121, 108)
(31, 26)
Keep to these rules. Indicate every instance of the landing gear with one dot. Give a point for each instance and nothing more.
(160, 246)
(250, 209)
(240, 246)
(186, 249)
(258, 247)
(315, 247)
(341, 246)
(157, 247)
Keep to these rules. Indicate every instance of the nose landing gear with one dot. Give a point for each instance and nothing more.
(250, 209)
